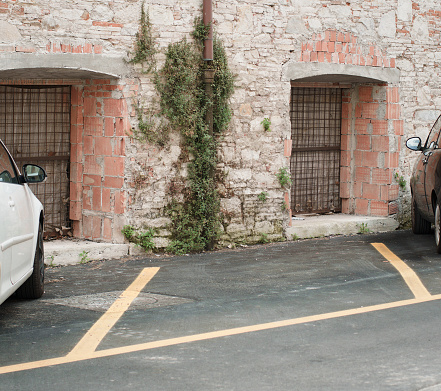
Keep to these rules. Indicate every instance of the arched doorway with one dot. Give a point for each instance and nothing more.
(68, 112)
(362, 136)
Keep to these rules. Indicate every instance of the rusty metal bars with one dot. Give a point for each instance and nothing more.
(315, 159)
(35, 125)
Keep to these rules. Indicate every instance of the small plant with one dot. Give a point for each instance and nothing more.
(84, 256)
(295, 237)
(128, 231)
(284, 177)
(263, 196)
(145, 49)
(363, 228)
(401, 181)
(151, 128)
(264, 239)
(266, 124)
(285, 207)
(143, 239)
(51, 261)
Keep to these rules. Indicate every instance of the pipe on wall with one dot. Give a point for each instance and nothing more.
(207, 11)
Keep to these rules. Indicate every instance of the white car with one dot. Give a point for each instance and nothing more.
(21, 230)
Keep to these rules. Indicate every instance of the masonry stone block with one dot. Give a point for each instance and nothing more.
(236, 230)
(424, 96)
(404, 10)
(420, 29)
(387, 26)
(264, 227)
(366, 26)
(231, 205)
(315, 23)
(9, 33)
(427, 116)
(296, 25)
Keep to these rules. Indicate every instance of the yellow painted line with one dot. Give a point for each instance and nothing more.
(409, 276)
(99, 330)
(210, 335)
(86, 348)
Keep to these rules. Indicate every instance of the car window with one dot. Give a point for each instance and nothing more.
(433, 141)
(7, 170)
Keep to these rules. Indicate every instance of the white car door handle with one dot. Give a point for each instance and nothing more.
(11, 203)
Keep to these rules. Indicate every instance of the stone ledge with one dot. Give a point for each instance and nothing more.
(338, 224)
(71, 252)
(343, 73)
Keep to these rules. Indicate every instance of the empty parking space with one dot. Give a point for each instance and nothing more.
(190, 301)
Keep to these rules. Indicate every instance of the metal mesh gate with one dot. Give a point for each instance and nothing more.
(315, 158)
(35, 126)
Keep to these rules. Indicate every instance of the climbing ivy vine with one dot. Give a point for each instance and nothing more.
(184, 101)
(195, 213)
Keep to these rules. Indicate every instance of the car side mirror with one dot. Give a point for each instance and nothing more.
(33, 173)
(414, 143)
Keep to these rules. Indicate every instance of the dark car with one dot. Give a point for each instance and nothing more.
(425, 184)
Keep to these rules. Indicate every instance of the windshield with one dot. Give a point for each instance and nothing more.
(432, 138)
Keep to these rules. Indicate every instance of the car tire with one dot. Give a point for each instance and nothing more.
(419, 225)
(33, 287)
(438, 227)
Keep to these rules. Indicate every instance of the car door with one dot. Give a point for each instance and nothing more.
(17, 230)
(419, 174)
(430, 162)
(7, 218)
(419, 192)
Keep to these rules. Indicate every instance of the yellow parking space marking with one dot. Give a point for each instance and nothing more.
(86, 348)
(98, 331)
(210, 335)
(409, 276)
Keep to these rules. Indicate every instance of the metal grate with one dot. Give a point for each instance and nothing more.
(315, 158)
(35, 126)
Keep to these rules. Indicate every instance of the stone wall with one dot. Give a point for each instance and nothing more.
(261, 37)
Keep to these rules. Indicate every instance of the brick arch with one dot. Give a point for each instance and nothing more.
(339, 47)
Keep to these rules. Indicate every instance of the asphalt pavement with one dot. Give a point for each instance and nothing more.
(325, 314)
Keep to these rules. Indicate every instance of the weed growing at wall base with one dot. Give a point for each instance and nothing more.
(363, 228)
(84, 256)
(143, 239)
(264, 239)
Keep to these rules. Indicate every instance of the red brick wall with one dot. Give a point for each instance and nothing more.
(371, 130)
(98, 135)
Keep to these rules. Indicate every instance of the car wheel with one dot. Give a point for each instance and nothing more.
(33, 288)
(419, 225)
